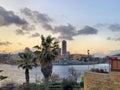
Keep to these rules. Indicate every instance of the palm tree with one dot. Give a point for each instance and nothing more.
(28, 62)
(46, 52)
(2, 77)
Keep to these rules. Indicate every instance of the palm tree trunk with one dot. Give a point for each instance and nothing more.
(46, 83)
(47, 71)
(27, 75)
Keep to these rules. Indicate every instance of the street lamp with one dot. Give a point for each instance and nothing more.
(88, 58)
(93, 61)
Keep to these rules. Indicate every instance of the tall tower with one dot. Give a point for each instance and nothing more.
(64, 44)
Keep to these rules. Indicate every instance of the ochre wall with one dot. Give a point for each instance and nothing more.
(101, 81)
(115, 64)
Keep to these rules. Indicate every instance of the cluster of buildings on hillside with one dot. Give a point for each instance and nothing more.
(65, 57)
(9, 58)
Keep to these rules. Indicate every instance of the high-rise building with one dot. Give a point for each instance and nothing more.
(64, 47)
(59, 51)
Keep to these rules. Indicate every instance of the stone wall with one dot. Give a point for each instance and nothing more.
(101, 81)
(115, 76)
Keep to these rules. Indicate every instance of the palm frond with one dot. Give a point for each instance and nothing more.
(49, 49)
(55, 43)
(37, 47)
(26, 60)
(21, 65)
(1, 70)
(37, 52)
(21, 55)
(3, 77)
(49, 39)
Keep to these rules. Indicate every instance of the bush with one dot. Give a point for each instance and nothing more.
(53, 85)
(82, 81)
(73, 74)
(54, 78)
(31, 87)
(82, 84)
(67, 84)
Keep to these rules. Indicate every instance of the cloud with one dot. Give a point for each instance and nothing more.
(21, 32)
(5, 43)
(101, 25)
(19, 43)
(114, 27)
(87, 30)
(114, 52)
(69, 31)
(35, 35)
(28, 27)
(25, 29)
(66, 32)
(111, 52)
(38, 18)
(114, 39)
(67, 37)
(47, 27)
(35, 16)
(99, 54)
(117, 39)
(109, 38)
(8, 18)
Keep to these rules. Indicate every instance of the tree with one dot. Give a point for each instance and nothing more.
(73, 74)
(28, 62)
(46, 52)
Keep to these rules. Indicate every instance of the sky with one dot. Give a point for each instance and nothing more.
(84, 24)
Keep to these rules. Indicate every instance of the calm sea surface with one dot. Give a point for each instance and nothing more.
(16, 74)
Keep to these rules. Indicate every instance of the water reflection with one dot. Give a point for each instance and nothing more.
(16, 74)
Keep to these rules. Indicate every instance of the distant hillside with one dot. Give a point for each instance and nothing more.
(117, 55)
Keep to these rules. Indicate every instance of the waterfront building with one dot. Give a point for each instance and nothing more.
(115, 62)
(64, 47)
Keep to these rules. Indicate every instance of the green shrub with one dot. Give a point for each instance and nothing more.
(32, 87)
(52, 86)
(67, 84)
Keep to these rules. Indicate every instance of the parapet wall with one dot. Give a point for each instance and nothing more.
(115, 76)
(101, 81)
